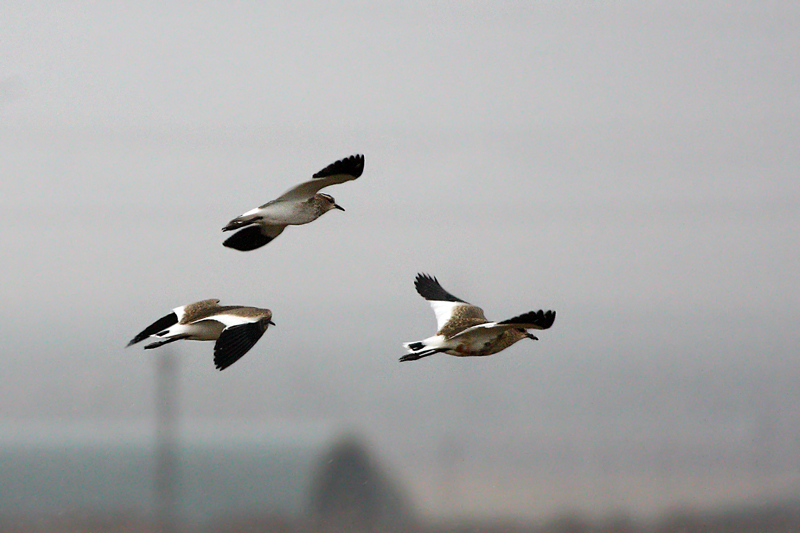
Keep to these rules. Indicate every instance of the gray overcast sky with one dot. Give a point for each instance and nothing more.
(632, 166)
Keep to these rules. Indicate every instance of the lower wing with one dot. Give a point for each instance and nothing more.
(235, 341)
(253, 237)
(531, 320)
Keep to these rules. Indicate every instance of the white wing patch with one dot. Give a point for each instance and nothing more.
(253, 211)
(444, 311)
(234, 320)
(180, 311)
(484, 329)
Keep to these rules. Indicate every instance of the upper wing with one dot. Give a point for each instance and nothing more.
(346, 169)
(531, 320)
(452, 313)
(428, 287)
(196, 311)
(235, 315)
(235, 341)
(457, 317)
(161, 324)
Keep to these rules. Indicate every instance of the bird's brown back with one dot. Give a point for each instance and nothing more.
(463, 317)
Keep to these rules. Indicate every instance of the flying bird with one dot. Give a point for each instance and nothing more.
(299, 205)
(464, 331)
(235, 328)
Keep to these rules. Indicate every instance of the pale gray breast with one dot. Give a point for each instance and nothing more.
(288, 212)
(319, 205)
(503, 341)
(294, 212)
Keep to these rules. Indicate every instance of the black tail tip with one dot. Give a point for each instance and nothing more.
(415, 346)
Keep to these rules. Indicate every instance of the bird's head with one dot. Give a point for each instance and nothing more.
(328, 202)
(266, 320)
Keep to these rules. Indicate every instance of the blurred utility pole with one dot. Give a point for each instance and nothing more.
(450, 456)
(764, 446)
(166, 481)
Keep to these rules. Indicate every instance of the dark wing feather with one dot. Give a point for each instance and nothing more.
(159, 325)
(428, 287)
(532, 320)
(351, 166)
(252, 237)
(236, 341)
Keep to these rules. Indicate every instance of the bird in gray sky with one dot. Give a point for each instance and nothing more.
(299, 205)
(464, 331)
(235, 328)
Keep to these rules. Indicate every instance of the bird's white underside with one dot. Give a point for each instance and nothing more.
(202, 330)
(472, 339)
(235, 320)
(288, 209)
(488, 330)
(207, 329)
(291, 212)
(475, 338)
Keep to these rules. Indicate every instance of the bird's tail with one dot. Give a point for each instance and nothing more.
(165, 341)
(240, 222)
(414, 346)
(423, 348)
(413, 356)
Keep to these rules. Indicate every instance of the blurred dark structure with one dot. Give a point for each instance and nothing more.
(166, 474)
(290, 477)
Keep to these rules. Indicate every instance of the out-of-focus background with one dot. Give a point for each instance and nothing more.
(631, 165)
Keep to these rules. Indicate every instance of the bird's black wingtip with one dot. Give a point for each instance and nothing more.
(352, 166)
(424, 279)
(421, 276)
(429, 288)
(247, 239)
(549, 319)
(535, 319)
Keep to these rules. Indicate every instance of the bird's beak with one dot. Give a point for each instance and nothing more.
(531, 336)
(337, 206)
(271, 322)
